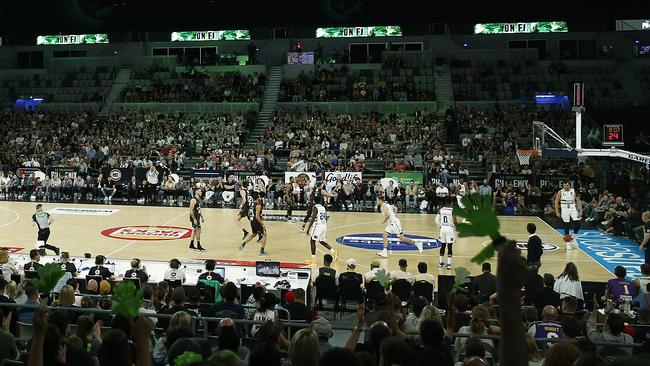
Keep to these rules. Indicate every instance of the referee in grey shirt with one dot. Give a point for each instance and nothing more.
(43, 220)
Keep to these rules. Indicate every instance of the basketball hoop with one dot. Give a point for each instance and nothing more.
(524, 156)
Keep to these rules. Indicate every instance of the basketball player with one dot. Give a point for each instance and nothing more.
(288, 199)
(447, 223)
(394, 226)
(569, 207)
(257, 225)
(43, 220)
(196, 219)
(245, 208)
(317, 229)
(462, 191)
(317, 192)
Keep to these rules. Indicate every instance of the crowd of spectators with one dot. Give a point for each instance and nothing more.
(149, 85)
(318, 141)
(524, 319)
(332, 84)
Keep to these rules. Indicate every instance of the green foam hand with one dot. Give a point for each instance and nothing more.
(127, 300)
(384, 278)
(460, 279)
(483, 221)
(48, 276)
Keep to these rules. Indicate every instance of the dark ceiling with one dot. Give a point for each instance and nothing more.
(30, 16)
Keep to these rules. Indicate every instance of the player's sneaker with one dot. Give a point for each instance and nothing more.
(56, 250)
(262, 252)
(569, 245)
(418, 244)
(302, 229)
(259, 238)
(383, 254)
(192, 247)
(335, 255)
(200, 248)
(442, 265)
(449, 266)
(241, 246)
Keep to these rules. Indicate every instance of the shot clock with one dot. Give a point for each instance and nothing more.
(613, 135)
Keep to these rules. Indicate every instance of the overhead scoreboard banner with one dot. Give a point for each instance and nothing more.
(344, 32)
(406, 177)
(72, 39)
(520, 27)
(633, 25)
(209, 35)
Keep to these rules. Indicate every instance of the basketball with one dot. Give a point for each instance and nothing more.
(567, 238)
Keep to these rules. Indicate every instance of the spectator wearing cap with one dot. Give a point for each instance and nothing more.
(402, 273)
(265, 311)
(323, 329)
(350, 274)
(297, 308)
(485, 284)
(372, 274)
(423, 275)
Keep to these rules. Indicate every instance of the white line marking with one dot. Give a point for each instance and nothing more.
(133, 241)
(12, 211)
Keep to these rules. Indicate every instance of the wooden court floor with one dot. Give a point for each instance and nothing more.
(221, 236)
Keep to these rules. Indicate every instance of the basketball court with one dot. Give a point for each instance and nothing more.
(162, 233)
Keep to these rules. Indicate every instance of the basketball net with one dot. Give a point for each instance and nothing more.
(524, 156)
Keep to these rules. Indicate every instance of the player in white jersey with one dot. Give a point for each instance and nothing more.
(569, 207)
(446, 220)
(462, 191)
(394, 226)
(317, 229)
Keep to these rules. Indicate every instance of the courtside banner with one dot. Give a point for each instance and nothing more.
(62, 172)
(516, 180)
(455, 178)
(83, 211)
(406, 177)
(553, 181)
(260, 182)
(209, 174)
(331, 177)
(118, 175)
(302, 178)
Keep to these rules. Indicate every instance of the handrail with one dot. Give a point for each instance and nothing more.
(294, 324)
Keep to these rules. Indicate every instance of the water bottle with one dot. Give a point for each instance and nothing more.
(626, 306)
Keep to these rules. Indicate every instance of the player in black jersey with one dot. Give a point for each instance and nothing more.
(257, 224)
(317, 191)
(196, 219)
(288, 198)
(245, 208)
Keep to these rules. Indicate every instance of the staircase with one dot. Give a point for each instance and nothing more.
(274, 76)
(444, 89)
(121, 80)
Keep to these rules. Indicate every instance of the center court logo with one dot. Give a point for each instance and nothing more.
(148, 232)
(375, 241)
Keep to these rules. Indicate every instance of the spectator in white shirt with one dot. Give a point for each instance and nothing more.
(423, 275)
(402, 273)
(372, 274)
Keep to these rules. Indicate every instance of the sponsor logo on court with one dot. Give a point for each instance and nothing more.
(148, 232)
(611, 251)
(294, 218)
(12, 250)
(523, 245)
(375, 241)
(83, 211)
